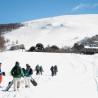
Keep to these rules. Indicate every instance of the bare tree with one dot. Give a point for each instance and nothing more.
(2, 43)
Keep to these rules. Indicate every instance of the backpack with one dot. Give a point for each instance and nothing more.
(29, 72)
(16, 71)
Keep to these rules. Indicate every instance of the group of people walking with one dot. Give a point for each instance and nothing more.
(38, 69)
(54, 70)
(17, 72)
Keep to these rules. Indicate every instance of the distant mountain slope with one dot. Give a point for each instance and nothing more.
(60, 30)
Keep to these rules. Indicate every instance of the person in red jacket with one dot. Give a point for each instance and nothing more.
(0, 73)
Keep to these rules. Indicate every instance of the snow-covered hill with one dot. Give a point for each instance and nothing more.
(60, 30)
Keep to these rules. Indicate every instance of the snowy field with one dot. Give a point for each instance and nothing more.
(76, 77)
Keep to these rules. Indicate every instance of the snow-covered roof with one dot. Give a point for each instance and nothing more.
(91, 47)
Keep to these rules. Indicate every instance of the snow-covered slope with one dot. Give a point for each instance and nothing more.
(60, 30)
(76, 77)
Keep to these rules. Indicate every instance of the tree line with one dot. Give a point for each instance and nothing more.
(8, 27)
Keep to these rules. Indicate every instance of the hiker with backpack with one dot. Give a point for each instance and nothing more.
(17, 73)
(28, 73)
(37, 69)
(52, 71)
(41, 70)
(55, 69)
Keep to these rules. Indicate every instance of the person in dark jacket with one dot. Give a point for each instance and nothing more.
(55, 69)
(52, 71)
(41, 70)
(16, 72)
(37, 69)
(28, 73)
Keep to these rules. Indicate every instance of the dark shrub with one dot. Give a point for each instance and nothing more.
(54, 48)
(77, 47)
(32, 49)
(39, 47)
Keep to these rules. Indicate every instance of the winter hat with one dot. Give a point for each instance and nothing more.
(27, 65)
(17, 63)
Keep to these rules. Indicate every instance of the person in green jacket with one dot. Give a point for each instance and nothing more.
(17, 73)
